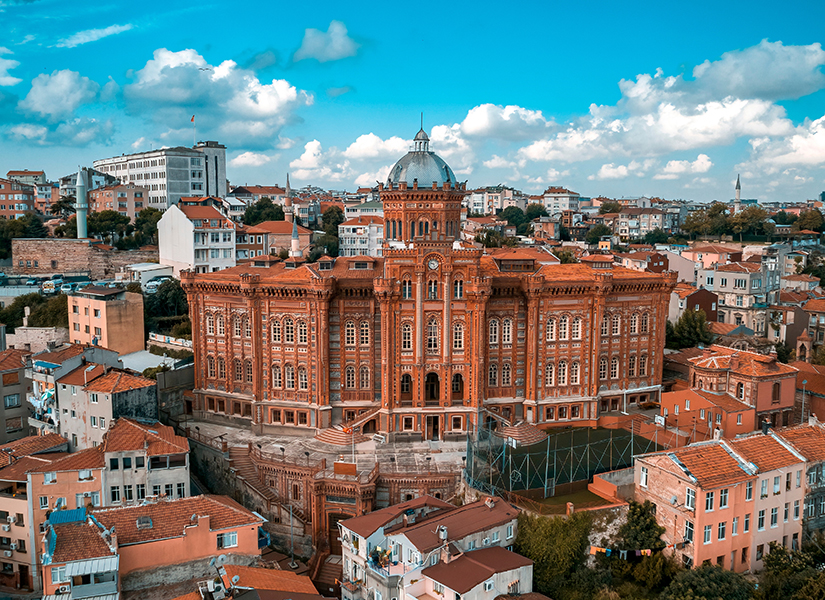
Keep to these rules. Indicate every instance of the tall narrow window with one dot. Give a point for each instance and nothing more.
(303, 383)
(740, 390)
(432, 290)
(248, 371)
(645, 322)
(237, 370)
(247, 328)
(302, 332)
(276, 376)
(602, 368)
(492, 379)
(236, 326)
(458, 289)
(349, 333)
(221, 368)
(406, 289)
(506, 373)
(634, 324)
(276, 332)
(563, 327)
(406, 336)
(614, 367)
(458, 336)
(221, 330)
(631, 366)
(605, 325)
(210, 367)
(350, 378)
(506, 331)
(574, 373)
(210, 325)
(562, 373)
(642, 366)
(493, 333)
(364, 375)
(289, 331)
(550, 375)
(576, 330)
(617, 325)
(289, 377)
(365, 333)
(551, 330)
(432, 335)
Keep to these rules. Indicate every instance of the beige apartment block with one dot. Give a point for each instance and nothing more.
(111, 318)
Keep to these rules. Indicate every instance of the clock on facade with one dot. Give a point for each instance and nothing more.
(433, 264)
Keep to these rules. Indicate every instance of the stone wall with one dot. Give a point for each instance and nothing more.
(36, 339)
(171, 386)
(47, 256)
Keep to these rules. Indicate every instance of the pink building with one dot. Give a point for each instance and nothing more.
(705, 256)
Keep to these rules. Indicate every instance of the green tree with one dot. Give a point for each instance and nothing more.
(690, 330)
(810, 219)
(108, 224)
(134, 287)
(784, 572)
(168, 301)
(513, 215)
(328, 243)
(146, 226)
(52, 313)
(9, 230)
(750, 220)
(708, 583)
(784, 353)
(566, 257)
(65, 207)
(331, 219)
(152, 372)
(534, 211)
(489, 238)
(596, 233)
(68, 230)
(610, 207)
(262, 210)
(564, 233)
(657, 236)
(656, 571)
(34, 226)
(12, 315)
(783, 218)
(641, 530)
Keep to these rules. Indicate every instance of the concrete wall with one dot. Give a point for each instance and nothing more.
(176, 240)
(158, 577)
(14, 420)
(139, 403)
(171, 386)
(36, 339)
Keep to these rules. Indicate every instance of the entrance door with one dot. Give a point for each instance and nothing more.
(433, 427)
(23, 573)
(335, 547)
(431, 390)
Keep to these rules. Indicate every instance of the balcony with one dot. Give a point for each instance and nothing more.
(94, 590)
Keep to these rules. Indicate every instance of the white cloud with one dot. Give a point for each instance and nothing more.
(58, 95)
(498, 162)
(505, 122)
(372, 146)
(139, 143)
(6, 65)
(448, 142)
(229, 102)
(369, 179)
(804, 147)
(249, 159)
(92, 35)
(315, 164)
(674, 168)
(75, 132)
(613, 171)
(335, 44)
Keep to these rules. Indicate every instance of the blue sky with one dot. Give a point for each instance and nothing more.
(668, 99)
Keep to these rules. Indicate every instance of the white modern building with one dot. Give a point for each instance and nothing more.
(363, 236)
(557, 199)
(196, 237)
(172, 173)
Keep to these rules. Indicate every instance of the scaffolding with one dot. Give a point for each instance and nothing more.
(501, 466)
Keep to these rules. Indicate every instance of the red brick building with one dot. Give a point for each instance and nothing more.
(425, 336)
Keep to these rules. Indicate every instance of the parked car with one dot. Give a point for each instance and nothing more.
(114, 284)
(152, 287)
(33, 281)
(68, 288)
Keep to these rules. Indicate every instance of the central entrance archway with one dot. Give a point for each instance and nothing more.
(432, 392)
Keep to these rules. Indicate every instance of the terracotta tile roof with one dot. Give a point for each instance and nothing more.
(816, 305)
(269, 579)
(683, 290)
(170, 518)
(801, 277)
(367, 524)
(460, 522)
(472, 568)
(190, 596)
(158, 439)
(117, 381)
(25, 172)
(721, 328)
(365, 220)
(280, 228)
(739, 267)
(201, 212)
(559, 190)
(683, 356)
(90, 458)
(83, 374)
(33, 444)
(59, 355)
(540, 256)
(726, 402)
(263, 190)
(742, 362)
(13, 358)
(18, 470)
(808, 440)
(764, 451)
(792, 297)
(79, 540)
(813, 374)
(711, 464)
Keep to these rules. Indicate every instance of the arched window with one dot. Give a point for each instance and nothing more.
(349, 333)
(634, 324)
(493, 332)
(642, 365)
(549, 375)
(289, 377)
(563, 327)
(276, 376)
(248, 371)
(614, 367)
(406, 289)
(221, 368)
(551, 330)
(645, 322)
(237, 370)
(210, 324)
(506, 331)
(506, 375)
(236, 326)
(574, 373)
(602, 368)
(302, 332)
(740, 390)
(406, 384)
(776, 393)
(289, 331)
(605, 324)
(303, 383)
(276, 332)
(365, 333)
(349, 382)
(576, 330)
(210, 367)
(432, 290)
(247, 327)
(406, 336)
(562, 374)
(364, 376)
(458, 336)
(631, 366)
(492, 378)
(458, 289)
(617, 324)
(432, 335)
(221, 329)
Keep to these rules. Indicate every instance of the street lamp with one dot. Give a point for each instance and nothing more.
(804, 383)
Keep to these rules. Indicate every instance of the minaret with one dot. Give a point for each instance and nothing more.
(295, 251)
(288, 204)
(736, 204)
(81, 203)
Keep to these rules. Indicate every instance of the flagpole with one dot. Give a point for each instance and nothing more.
(194, 132)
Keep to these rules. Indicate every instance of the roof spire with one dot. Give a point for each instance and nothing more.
(738, 186)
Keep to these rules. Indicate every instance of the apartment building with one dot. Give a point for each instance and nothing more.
(196, 238)
(808, 440)
(688, 297)
(558, 199)
(279, 236)
(127, 199)
(816, 320)
(27, 177)
(172, 173)
(707, 255)
(634, 223)
(108, 317)
(364, 209)
(16, 199)
(743, 293)
(95, 179)
(361, 236)
(250, 241)
(46, 194)
(65, 482)
(14, 388)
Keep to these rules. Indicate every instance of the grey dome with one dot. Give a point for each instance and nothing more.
(422, 165)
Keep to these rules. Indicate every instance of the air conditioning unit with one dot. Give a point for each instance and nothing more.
(87, 494)
(485, 542)
(13, 546)
(7, 553)
(10, 519)
(6, 527)
(63, 589)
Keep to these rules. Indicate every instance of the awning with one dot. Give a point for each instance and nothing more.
(96, 565)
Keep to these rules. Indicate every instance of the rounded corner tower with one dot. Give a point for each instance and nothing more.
(422, 198)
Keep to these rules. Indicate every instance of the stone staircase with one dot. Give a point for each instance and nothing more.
(329, 574)
(240, 461)
(336, 436)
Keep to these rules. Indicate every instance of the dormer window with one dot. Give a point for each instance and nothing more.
(361, 266)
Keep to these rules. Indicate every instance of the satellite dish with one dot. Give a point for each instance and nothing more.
(235, 580)
(221, 560)
(212, 562)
